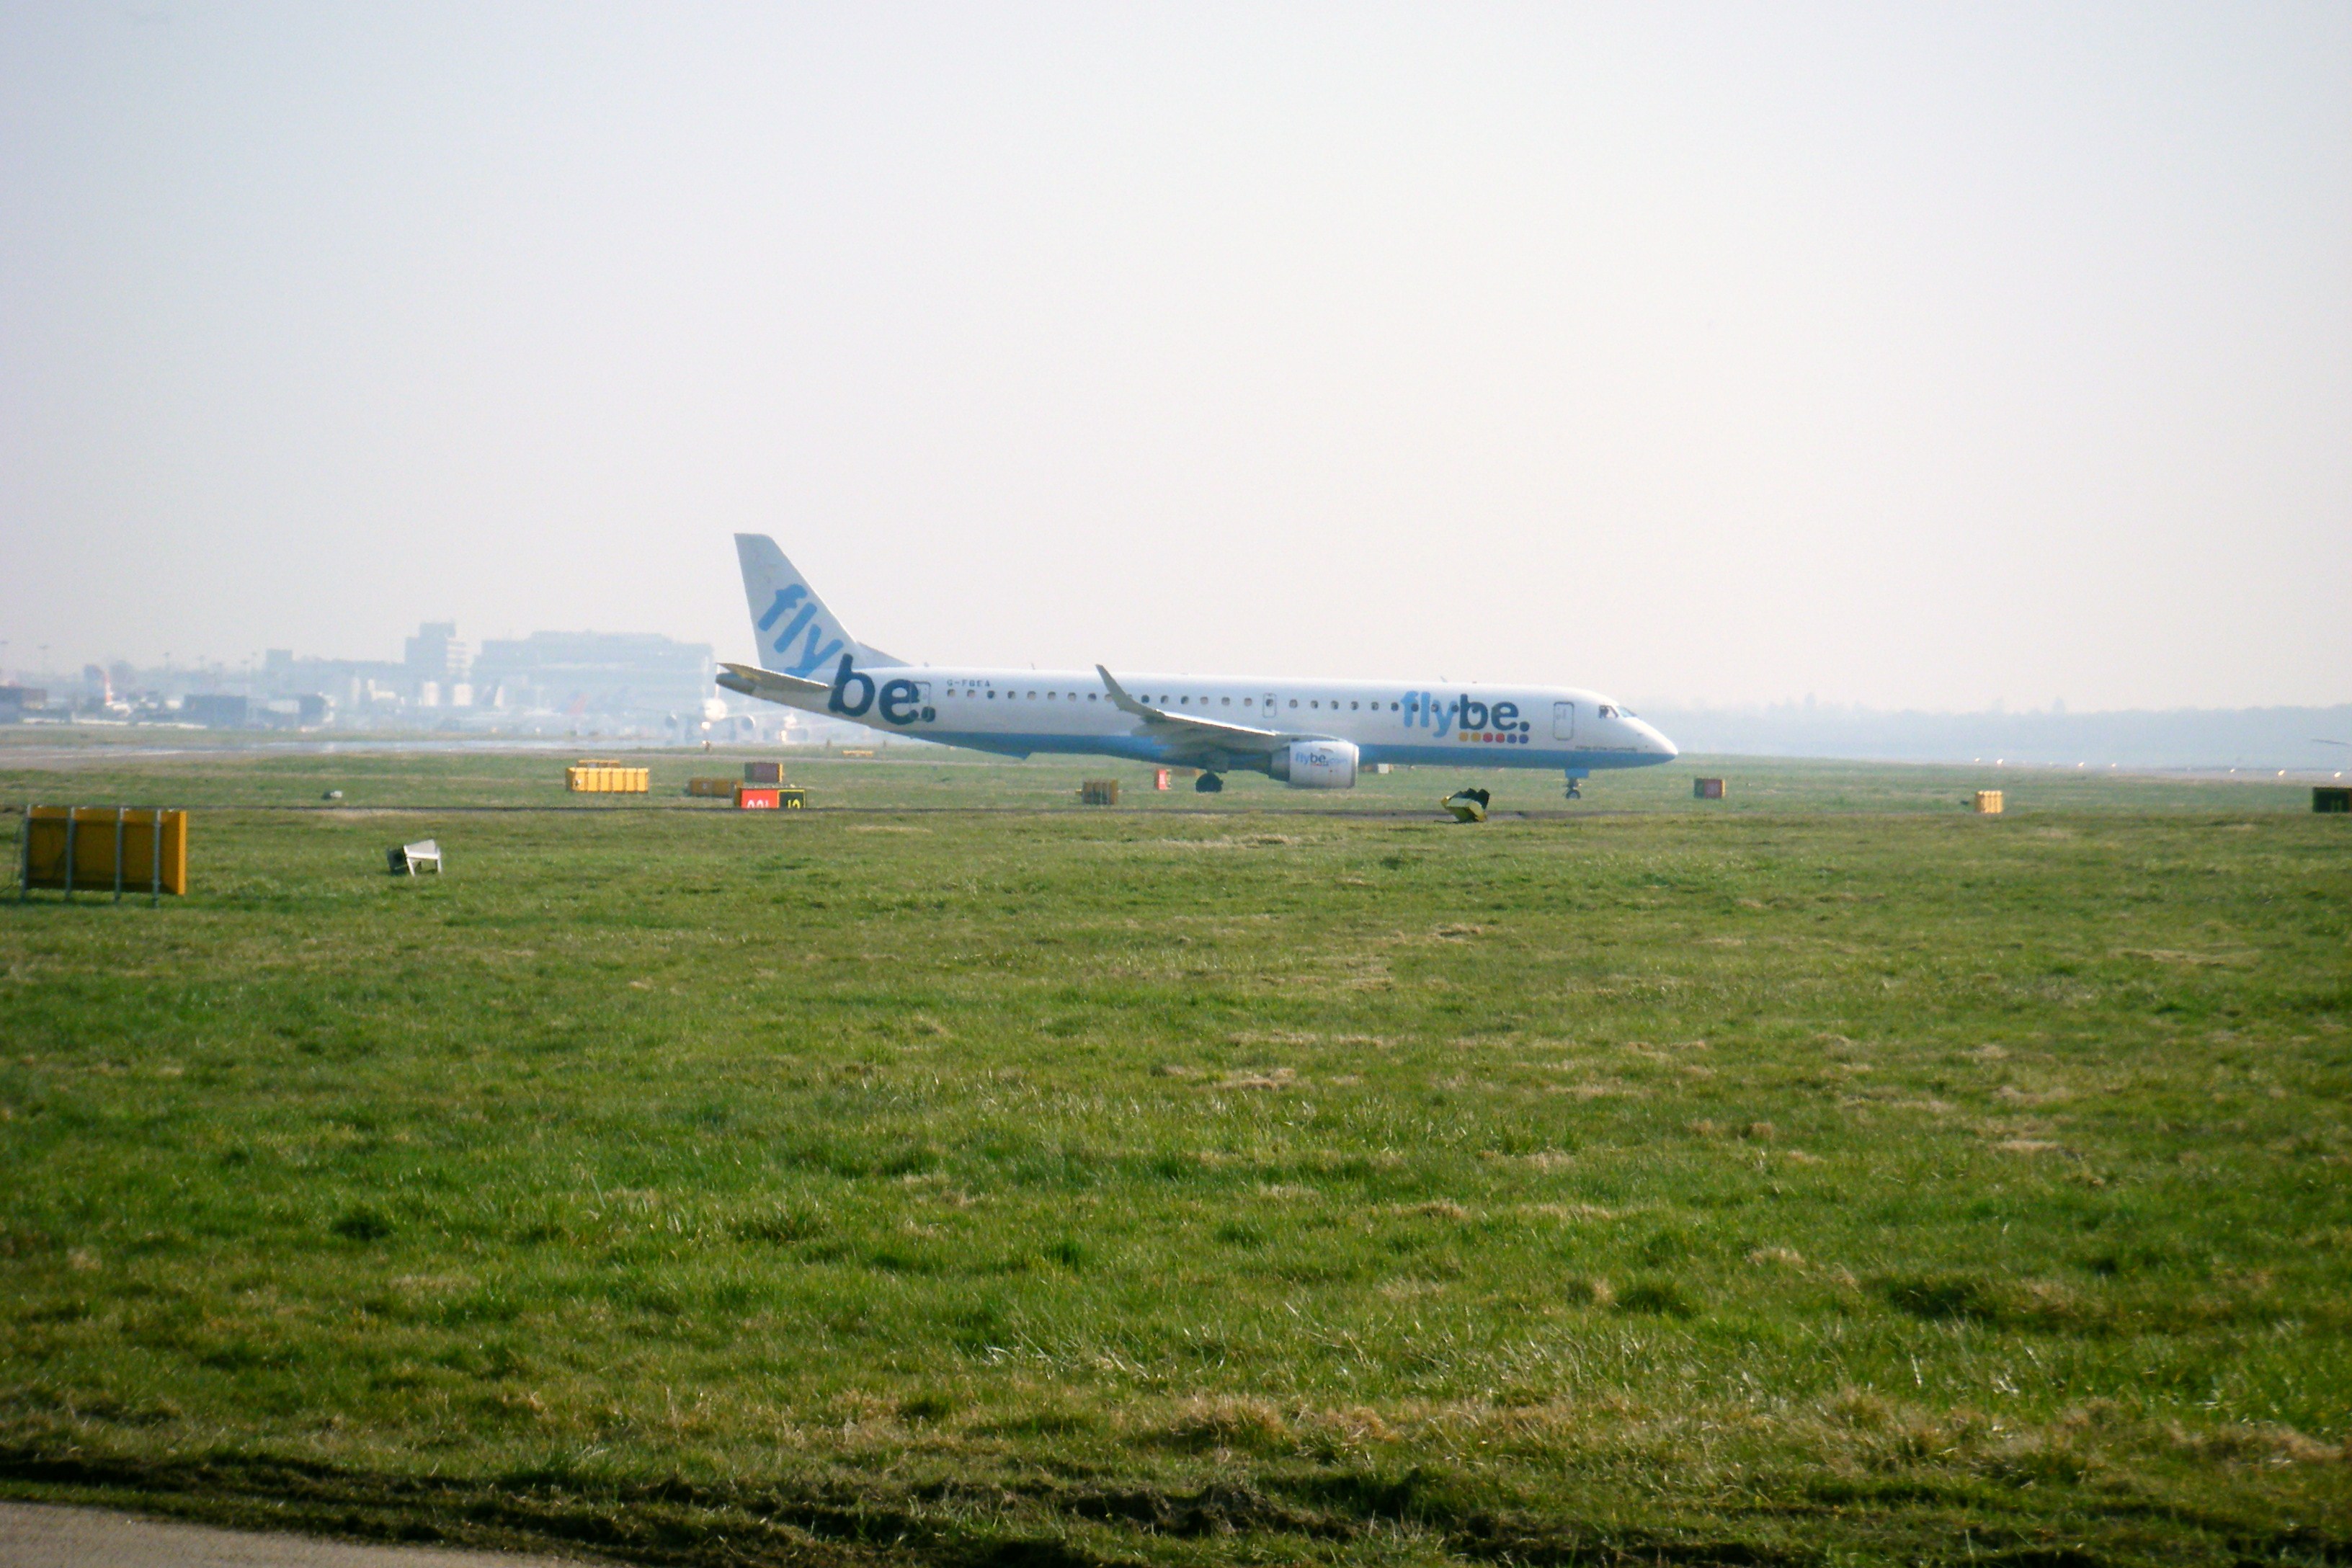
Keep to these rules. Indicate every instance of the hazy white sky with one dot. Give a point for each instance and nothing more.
(1905, 354)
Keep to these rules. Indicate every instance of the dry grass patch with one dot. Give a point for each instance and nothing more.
(1223, 1422)
(1583, 1212)
(1600, 1089)
(1268, 1078)
(2261, 1444)
(2192, 958)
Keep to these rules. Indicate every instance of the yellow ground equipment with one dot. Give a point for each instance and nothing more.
(606, 777)
(1988, 803)
(1098, 791)
(723, 789)
(1467, 805)
(101, 849)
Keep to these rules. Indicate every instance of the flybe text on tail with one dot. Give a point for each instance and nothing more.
(814, 652)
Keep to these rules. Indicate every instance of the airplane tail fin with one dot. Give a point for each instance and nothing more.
(796, 634)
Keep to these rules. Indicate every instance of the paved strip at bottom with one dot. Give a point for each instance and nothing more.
(41, 1535)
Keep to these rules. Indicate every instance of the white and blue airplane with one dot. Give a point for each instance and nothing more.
(1310, 735)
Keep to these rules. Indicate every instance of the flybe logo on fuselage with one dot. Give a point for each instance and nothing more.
(1497, 723)
(815, 651)
(854, 692)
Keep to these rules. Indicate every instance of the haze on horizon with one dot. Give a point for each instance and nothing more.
(1917, 356)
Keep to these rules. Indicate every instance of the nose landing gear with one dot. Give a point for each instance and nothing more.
(1575, 777)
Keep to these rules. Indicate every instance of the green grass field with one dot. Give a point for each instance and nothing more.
(1826, 1175)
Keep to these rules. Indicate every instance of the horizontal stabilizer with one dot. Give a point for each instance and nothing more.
(769, 685)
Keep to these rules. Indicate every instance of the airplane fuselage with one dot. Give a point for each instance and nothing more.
(1021, 713)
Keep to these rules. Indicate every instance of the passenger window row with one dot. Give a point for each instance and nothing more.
(1050, 696)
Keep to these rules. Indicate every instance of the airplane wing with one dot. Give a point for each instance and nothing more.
(1185, 728)
(768, 684)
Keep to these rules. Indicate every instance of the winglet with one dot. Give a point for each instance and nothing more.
(1119, 697)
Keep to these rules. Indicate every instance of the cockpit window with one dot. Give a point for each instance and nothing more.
(1608, 711)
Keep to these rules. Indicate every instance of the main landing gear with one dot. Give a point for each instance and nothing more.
(1209, 784)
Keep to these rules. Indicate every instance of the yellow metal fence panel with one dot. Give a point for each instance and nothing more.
(106, 841)
(607, 778)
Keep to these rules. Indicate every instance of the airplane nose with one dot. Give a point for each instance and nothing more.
(1664, 748)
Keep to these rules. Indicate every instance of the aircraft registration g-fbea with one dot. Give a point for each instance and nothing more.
(1310, 735)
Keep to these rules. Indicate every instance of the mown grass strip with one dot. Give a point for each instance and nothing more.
(1862, 1185)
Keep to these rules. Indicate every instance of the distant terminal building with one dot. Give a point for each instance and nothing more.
(436, 664)
(351, 687)
(548, 683)
(216, 710)
(613, 674)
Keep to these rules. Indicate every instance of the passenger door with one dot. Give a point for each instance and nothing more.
(1563, 720)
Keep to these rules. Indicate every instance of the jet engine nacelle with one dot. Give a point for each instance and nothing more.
(1316, 764)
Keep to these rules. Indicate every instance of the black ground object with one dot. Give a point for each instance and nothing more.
(1209, 784)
